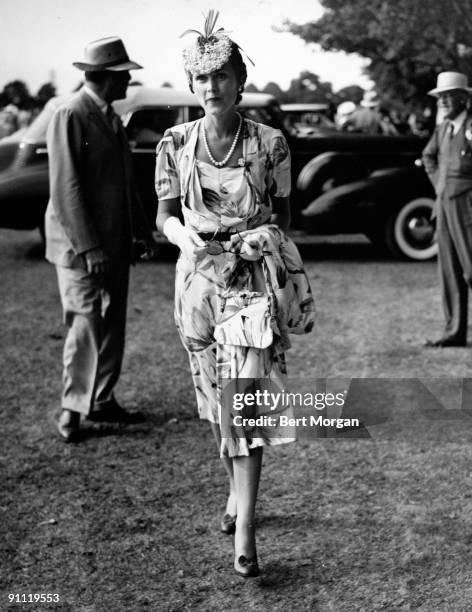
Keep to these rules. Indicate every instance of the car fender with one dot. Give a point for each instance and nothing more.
(382, 187)
(23, 198)
(326, 171)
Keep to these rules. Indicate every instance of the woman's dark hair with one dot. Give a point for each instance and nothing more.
(239, 67)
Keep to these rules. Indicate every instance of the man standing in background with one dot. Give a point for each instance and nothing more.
(447, 159)
(92, 220)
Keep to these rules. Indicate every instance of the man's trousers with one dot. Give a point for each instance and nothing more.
(454, 236)
(94, 308)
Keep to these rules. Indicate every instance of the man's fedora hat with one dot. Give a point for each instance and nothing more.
(447, 81)
(106, 54)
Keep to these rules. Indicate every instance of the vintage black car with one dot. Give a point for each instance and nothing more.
(146, 113)
(342, 183)
(379, 189)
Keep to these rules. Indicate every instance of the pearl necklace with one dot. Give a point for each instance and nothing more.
(221, 163)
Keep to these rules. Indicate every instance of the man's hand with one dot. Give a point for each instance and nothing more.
(97, 261)
(145, 249)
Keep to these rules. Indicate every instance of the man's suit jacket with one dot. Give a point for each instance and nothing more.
(450, 174)
(92, 201)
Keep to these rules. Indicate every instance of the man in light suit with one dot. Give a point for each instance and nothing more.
(447, 159)
(92, 221)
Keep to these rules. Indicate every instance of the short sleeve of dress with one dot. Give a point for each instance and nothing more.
(280, 177)
(166, 182)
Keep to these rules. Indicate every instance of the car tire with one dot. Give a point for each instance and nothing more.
(409, 232)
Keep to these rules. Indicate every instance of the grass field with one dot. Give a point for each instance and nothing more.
(128, 519)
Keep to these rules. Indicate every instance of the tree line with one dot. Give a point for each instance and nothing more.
(408, 42)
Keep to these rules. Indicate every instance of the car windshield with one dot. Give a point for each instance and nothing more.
(153, 119)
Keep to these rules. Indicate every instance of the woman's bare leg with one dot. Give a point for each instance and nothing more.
(231, 503)
(247, 471)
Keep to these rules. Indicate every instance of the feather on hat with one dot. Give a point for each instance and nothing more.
(211, 50)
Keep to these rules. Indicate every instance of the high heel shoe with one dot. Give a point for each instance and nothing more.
(247, 568)
(228, 524)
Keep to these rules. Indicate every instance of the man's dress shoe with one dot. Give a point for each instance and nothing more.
(112, 412)
(445, 342)
(68, 425)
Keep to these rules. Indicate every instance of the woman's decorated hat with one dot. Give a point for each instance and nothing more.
(211, 50)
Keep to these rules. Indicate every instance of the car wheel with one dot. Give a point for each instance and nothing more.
(409, 233)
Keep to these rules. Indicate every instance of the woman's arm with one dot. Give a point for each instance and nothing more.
(168, 223)
(281, 212)
(166, 209)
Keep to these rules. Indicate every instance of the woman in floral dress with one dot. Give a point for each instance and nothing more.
(227, 177)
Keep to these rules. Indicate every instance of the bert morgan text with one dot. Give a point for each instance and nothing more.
(286, 421)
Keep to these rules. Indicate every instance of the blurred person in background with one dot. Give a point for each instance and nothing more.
(370, 117)
(422, 122)
(343, 114)
(9, 120)
(447, 159)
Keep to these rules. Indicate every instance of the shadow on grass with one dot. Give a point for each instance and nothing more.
(87, 433)
(36, 251)
(281, 521)
(163, 422)
(278, 575)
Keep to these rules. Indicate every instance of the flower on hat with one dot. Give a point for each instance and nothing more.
(210, 51)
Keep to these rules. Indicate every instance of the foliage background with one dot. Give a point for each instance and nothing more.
(407, 41)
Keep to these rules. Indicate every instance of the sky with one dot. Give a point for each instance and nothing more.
(39, 39)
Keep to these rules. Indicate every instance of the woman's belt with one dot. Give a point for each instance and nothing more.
(218, 236)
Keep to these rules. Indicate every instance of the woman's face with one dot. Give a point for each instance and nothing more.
(217, 91)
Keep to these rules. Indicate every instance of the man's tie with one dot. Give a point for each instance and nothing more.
(113, 118)
(444, 158)
(451, 130)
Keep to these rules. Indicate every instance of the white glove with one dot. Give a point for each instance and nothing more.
(189, 242)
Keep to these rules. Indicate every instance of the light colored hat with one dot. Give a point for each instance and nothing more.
(370, 99)
(106, 54)
(211, 50)
(448, 81)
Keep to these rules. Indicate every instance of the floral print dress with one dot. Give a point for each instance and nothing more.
(219, 200)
